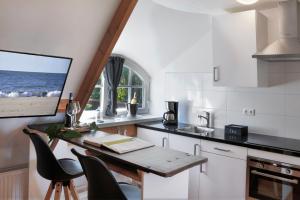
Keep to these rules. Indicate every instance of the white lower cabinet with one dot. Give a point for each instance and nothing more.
(156, 187)
(223, 177)
(157, 138)
(191, 146)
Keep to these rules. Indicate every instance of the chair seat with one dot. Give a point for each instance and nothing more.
(71, 167)
(131, 192)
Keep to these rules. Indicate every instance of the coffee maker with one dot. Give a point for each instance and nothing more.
(171, 116)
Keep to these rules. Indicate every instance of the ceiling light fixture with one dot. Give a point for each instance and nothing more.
(247, 2)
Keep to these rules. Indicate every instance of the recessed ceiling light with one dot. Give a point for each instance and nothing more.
(247, 2)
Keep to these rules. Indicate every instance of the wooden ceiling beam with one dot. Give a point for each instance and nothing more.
(104, 50)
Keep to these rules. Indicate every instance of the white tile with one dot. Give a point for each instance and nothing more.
(214, 99)
(174, 87)
(261, 124)
(208, 83)
(276, 85)
(184, 109)
(195, 97)
(218, 116)
(292, 84)
(293, 105)
(262, 103)
(237, 118)
(268, 124)
(192, 81)
(292, 127)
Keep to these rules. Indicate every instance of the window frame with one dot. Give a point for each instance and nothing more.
(143, 75)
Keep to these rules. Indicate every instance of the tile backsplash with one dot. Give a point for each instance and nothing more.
(277, 108)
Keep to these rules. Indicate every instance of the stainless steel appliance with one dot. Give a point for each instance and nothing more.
(271, 180)
(171, 116)
(287, 47)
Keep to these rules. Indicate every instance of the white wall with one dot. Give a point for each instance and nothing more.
(175, 48)
(160, 39)
(71, 28)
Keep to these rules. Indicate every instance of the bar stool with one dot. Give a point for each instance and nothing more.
(102, 184)
(59, 172)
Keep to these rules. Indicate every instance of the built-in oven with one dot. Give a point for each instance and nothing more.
(270, 180)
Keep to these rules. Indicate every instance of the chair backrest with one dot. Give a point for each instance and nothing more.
(101, 182)
(47, 165)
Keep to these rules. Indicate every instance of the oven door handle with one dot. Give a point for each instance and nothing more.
(293, 181)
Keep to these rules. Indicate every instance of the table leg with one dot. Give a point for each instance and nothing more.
(141, 181)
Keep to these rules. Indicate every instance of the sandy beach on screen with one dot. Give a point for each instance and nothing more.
(25, 106)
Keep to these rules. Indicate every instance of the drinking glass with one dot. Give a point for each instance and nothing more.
(78, 109)
(71, 111)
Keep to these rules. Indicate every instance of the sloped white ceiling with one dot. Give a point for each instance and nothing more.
(72, 28)
(211, 6)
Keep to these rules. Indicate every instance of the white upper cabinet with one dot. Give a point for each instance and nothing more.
(236, 37)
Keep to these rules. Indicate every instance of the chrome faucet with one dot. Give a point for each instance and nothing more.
(204, 117)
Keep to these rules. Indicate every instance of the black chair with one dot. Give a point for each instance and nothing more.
(59, 172)
(102, 184)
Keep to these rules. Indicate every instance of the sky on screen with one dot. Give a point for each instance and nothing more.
(32, 63)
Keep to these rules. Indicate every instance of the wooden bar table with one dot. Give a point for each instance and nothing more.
(156, 160)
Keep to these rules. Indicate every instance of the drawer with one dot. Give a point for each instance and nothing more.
(224, 149)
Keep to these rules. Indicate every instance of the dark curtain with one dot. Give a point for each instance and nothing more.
(113, 72)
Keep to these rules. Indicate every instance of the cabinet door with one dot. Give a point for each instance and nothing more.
(156, 187)
(191, 146)
(234, 43)
(155, 137)
(222, 178)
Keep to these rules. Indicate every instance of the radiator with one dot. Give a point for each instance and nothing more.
(14, 184)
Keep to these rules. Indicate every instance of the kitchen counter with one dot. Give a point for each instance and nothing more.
(273, 144)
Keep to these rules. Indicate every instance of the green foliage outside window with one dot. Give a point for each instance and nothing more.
(95, 94)
(124, 76)
(122, 95)
(136, 80)
(130, 83)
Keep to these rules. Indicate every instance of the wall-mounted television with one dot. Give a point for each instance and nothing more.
(31, 84)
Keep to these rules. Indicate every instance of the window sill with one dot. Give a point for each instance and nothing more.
(118, 121)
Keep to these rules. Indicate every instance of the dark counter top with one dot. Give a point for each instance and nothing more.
(255, 141)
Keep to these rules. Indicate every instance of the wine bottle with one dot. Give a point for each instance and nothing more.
(68, 118)
(133, 100)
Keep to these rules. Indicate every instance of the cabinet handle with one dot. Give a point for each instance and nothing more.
(164, 140)
(195, 149)
(225, 150)
(201, 168)
(292, 181)
(216, 74)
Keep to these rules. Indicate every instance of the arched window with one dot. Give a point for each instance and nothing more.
(134, 79)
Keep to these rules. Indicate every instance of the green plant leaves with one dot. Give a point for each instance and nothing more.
(55, 131)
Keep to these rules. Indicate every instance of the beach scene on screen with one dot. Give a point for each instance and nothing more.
(30, 85)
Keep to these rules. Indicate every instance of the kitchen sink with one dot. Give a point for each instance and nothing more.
(197, 130)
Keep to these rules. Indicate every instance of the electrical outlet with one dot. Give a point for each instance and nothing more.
(245, 111)
(251, 112)
(248, 111)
